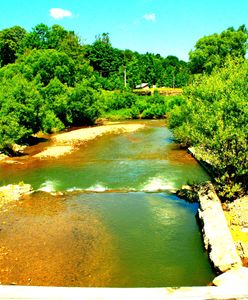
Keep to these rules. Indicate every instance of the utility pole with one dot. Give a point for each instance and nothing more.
(125, 76)
(173, 80)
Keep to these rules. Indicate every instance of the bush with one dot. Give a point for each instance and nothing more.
(121, 114)
(119, 100)
(83, 105)
(50, 123)
(214, 117)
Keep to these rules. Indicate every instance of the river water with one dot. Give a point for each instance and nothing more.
(115, 222)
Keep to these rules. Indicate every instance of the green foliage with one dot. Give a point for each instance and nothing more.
(126, 105)
(103, 57)
(212, 51)
(10, 132)
(48, 87)
(56, 96)
(51, 123)
(121, 114)
(10, 42)
(215, 119)
(44, 65)
(117, 100)
(55, 37)
(82, 105)
(20, 106)
(111, 64)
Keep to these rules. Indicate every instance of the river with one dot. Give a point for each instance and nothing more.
(115, 221)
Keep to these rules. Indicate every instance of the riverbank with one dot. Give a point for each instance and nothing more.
(236, 213)
(237, 218)
(218, 241)
(64, 143)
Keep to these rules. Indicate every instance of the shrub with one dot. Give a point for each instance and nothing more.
(214, 117)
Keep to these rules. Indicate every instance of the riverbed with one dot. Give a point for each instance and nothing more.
(105, 216)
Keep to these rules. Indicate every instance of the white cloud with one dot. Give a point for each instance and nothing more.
(59, 13)
(150, 17)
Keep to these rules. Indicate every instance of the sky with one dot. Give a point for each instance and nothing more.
(167, 27)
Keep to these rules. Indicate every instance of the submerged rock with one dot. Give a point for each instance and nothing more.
(216, 235)
(189, 193)
(13, 192)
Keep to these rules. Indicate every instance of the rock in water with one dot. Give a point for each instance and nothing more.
(13, 192)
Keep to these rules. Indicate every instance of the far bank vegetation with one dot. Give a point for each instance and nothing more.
(50, 80)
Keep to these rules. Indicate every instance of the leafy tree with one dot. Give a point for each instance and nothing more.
(10, 41)
(211, 51)
(44, 65)
(37, 39)
(20, 105)
(83, 105)
(56, 96)
(55, 37)
(214, 118)
(103, 57)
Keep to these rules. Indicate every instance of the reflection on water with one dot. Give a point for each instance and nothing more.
(127, 240)
(90, 235)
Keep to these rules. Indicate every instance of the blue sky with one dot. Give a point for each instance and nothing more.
(168, 27)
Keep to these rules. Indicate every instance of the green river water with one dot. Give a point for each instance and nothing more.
(116, 222)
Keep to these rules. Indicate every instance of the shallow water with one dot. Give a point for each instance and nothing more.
(146, 160)
(96, 236)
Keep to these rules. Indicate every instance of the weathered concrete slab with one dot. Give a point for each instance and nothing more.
(51, 293)
(216, 234)
(237, 277)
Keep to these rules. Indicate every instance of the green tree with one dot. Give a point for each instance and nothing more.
(56, 96)
(20, 105)
(55, 37)
(37, 39)
(215, 119)
(44, 65)
(10, 41)
(83, 104)
(211, 51)
(103, 57)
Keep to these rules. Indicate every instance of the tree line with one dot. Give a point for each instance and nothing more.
(214, 117)
(50, 80)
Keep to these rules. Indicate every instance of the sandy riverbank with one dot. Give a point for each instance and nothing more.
(67, 142)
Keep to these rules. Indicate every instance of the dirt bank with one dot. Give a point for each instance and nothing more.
(237, 217)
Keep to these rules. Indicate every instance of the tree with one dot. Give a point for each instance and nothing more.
(82, 104)
(10, 41)
(56, 96)
(212, 51)
(103, 57)
(55, 37)
(20, 109)
(37, 39)
(215, 119)
(44, 65)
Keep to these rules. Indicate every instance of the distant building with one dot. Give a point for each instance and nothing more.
(142, 86)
